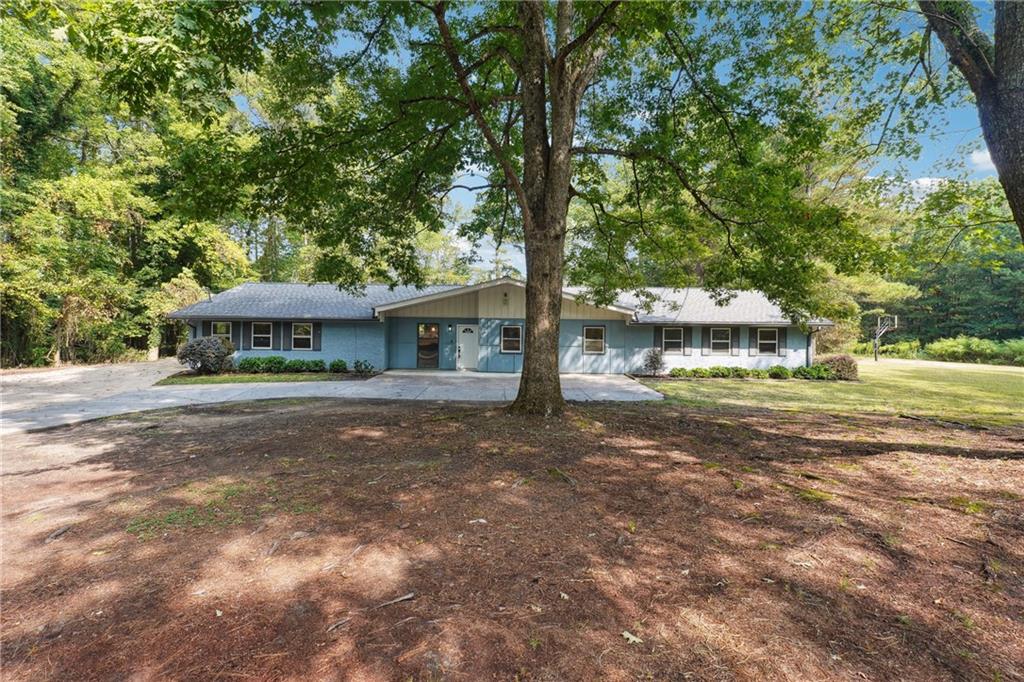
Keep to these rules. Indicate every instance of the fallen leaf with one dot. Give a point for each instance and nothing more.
(631, 638)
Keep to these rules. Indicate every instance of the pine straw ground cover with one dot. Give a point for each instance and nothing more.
(283, 539)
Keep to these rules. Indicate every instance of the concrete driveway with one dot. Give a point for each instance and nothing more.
(40, 400)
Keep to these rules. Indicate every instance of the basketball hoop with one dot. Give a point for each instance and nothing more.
(886, 323)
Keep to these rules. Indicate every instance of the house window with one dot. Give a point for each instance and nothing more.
(512, 339)
(221, 330)
(767, 341)
(672, 339)
(593, 340)
(261, 333)
(721, 340)
(302, 336)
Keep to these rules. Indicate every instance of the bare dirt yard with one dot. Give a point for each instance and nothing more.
(378, 541)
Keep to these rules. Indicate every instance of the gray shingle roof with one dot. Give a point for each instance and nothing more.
(273, 301)
(697, 306)
(280, 301)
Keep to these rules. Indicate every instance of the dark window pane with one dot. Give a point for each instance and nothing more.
(427, 345)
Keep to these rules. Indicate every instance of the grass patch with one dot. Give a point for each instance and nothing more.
(983, 394)
(220, 506)
(969, 506)
(184, 378)
(813, 494)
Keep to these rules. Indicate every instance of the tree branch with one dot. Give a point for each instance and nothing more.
(588, 33)
(474, 107)
(970, 49)
(676, 169)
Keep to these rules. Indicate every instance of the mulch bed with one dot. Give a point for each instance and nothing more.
(374, 540)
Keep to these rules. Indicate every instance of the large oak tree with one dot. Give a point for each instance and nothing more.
(711, 112)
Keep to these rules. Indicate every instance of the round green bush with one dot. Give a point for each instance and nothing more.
(207, 355)
(251, 365)
(363, 368)
(339, 366)
(700, 372)
(678, 372)
(779, 372)
(843, 367)
(758, 374)
(275, 364)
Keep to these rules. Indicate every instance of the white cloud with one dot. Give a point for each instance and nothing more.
(982, 161)
(922, 187)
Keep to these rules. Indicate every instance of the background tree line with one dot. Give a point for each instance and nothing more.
(131, 187)
(111, 220)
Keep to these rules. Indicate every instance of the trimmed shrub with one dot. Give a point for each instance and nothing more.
(300, 365)
(779, 372)
(758, 374)
(720, 372)
(252, 365)
(739, 372)
(362, 368)
(700, 373)
(678, 372)
(843, 367)
(275, 364)
(295, 365)
(654, 362)
(207, 355)
(339, 366)
(816, 372)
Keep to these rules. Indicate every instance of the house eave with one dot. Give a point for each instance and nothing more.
(397, 305)
(269, 318)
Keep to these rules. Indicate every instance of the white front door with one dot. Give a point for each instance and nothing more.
(467, 346)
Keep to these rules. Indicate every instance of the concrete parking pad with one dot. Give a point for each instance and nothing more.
(42, 400)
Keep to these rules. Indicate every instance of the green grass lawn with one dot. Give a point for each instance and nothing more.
(243, 378)
(970, 393)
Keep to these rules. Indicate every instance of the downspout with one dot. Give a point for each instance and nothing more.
(809, 354)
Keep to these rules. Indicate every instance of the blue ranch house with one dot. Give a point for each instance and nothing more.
(480, 327)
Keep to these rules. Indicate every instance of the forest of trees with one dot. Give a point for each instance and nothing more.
(111, 220)
(113, 216)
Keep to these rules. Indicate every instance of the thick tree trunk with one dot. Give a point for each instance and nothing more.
(540, 387)
(1002, 123)
(551, 85)
(1004, 132)
(995, 73)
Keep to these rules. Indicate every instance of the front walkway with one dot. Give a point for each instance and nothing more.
(391, 385)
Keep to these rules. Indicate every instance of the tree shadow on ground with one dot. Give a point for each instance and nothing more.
(266, 539)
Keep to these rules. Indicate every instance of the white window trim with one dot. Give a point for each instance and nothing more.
(774, 341)
(501, 339)
(727, 341)
(682, 341)
(253, 335)
(302, 336)
(604, 341)
(213, 324)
